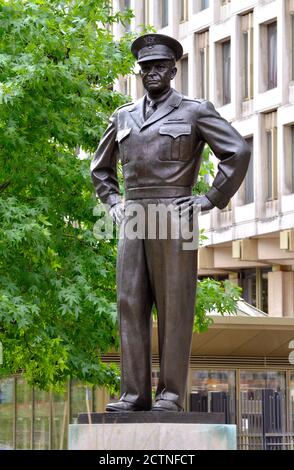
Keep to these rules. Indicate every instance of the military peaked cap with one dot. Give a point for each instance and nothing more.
(156, 46)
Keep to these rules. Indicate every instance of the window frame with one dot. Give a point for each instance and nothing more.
(272, 64)
(226, 92)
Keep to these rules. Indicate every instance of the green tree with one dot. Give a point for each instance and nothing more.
(58, 62)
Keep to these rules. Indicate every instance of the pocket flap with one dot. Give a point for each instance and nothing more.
(122, 134)
(175, 130)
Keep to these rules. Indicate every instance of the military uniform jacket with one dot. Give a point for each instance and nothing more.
(165, 150)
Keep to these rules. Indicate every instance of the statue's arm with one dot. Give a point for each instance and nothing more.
(229, 147)
(104, 166)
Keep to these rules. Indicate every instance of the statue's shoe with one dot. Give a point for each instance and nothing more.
(165, 405)
(123, 407)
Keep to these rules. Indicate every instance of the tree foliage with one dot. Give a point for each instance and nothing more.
(214, 296)
(58, 61)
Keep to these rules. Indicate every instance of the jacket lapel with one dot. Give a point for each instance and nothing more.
(172, 102)
(137, 112)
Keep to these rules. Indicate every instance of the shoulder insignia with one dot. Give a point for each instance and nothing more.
(124, 105)
(195, 100)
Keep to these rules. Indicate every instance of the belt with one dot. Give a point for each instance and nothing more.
(150, 192)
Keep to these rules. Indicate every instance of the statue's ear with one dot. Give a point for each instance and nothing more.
(173, 73)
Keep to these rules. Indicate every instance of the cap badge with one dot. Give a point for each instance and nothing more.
(150, 41)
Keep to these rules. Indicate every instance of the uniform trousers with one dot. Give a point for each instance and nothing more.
(155, 271)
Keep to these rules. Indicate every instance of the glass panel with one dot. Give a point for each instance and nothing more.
(127, 6)
(226, 62)
(248, 284)
(164, 13)
(154, 381)
(214, 391)
(6, 413)
(264, 290)
(246, 64)
(249, 178)
(59, 421)
(292, 156)
(41, 420)
(184, 76)
(23, 415)
(204, 4)
(262, 408)
(81, 400)
(292, 20)
(182, 10)
(272, 55)
(269, 165)
(202, 73)
(291, 404)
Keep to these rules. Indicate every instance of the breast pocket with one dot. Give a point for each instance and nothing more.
(122, 138)
(178, 142)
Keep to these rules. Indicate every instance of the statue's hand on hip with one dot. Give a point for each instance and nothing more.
(187, 204)
(117, 213)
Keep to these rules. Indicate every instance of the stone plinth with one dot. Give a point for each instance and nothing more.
(151, 431)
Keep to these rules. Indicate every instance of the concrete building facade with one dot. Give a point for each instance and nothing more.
(239, 55)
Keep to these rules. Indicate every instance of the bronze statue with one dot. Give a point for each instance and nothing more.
(159, 140)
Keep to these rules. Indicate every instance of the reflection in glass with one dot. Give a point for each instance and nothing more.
(41, 420)
(23, 415)
(184, 75)
(262, 407)
(81, 400)
(291, 403)
(249, 178)
(204, 4)
(6, 413)
(272, 55)
(214, 391)
(59, 421)
(226, 70)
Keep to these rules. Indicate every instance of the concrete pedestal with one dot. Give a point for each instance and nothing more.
(150, 431)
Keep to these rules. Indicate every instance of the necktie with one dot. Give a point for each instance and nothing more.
(150, 109)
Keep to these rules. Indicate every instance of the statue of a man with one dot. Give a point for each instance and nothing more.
(159, 140)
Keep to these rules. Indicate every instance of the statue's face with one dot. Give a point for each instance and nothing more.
(157, 75)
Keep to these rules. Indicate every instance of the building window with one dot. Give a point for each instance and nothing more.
(254, 283)
(226, 72)
(291, 407)
(289, 158)
(247, 40)
(126, 5)
(292, 27)
(271, 149)
(214, 392)
(203, 48)
(263, 408)
(183, 10)
(249, 178)
(164, 13)
(126, 82)
(184, 76)
(41, 420)
(292, 158)
(6, 413)
(146, 12)
(24, 399)
(272, 75)
(225, 2)
(204, 4)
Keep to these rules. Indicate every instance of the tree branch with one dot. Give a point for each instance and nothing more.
(3, 186)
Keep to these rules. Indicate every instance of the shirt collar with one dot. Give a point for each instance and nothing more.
(159, 99)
